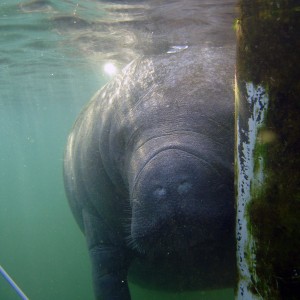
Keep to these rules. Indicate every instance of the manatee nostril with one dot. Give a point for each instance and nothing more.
(160, 193)
(184, 187)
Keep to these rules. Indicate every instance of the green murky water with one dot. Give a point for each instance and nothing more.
(48, 70)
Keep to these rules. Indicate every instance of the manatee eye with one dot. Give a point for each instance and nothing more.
(184, 187)
(160, 192)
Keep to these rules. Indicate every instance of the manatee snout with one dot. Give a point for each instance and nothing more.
(178, 199)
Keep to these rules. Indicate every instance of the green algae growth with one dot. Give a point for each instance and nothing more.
(268, 55)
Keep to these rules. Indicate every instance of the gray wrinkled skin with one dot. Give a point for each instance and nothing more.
(148, 172)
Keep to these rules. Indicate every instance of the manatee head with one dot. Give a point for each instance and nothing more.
(180, 200)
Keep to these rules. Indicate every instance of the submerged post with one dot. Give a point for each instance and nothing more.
(268, 150)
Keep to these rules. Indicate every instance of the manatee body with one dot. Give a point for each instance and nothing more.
(148, 172)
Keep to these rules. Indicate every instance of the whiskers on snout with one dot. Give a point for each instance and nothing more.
(163, 238)
(127, 227)
(153, 232)
(134, 245)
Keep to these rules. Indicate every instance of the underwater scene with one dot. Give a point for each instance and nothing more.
(54, 57)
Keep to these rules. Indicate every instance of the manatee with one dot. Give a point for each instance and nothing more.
(148, 172)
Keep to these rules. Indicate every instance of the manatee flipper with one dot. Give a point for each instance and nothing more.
(109, 260)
